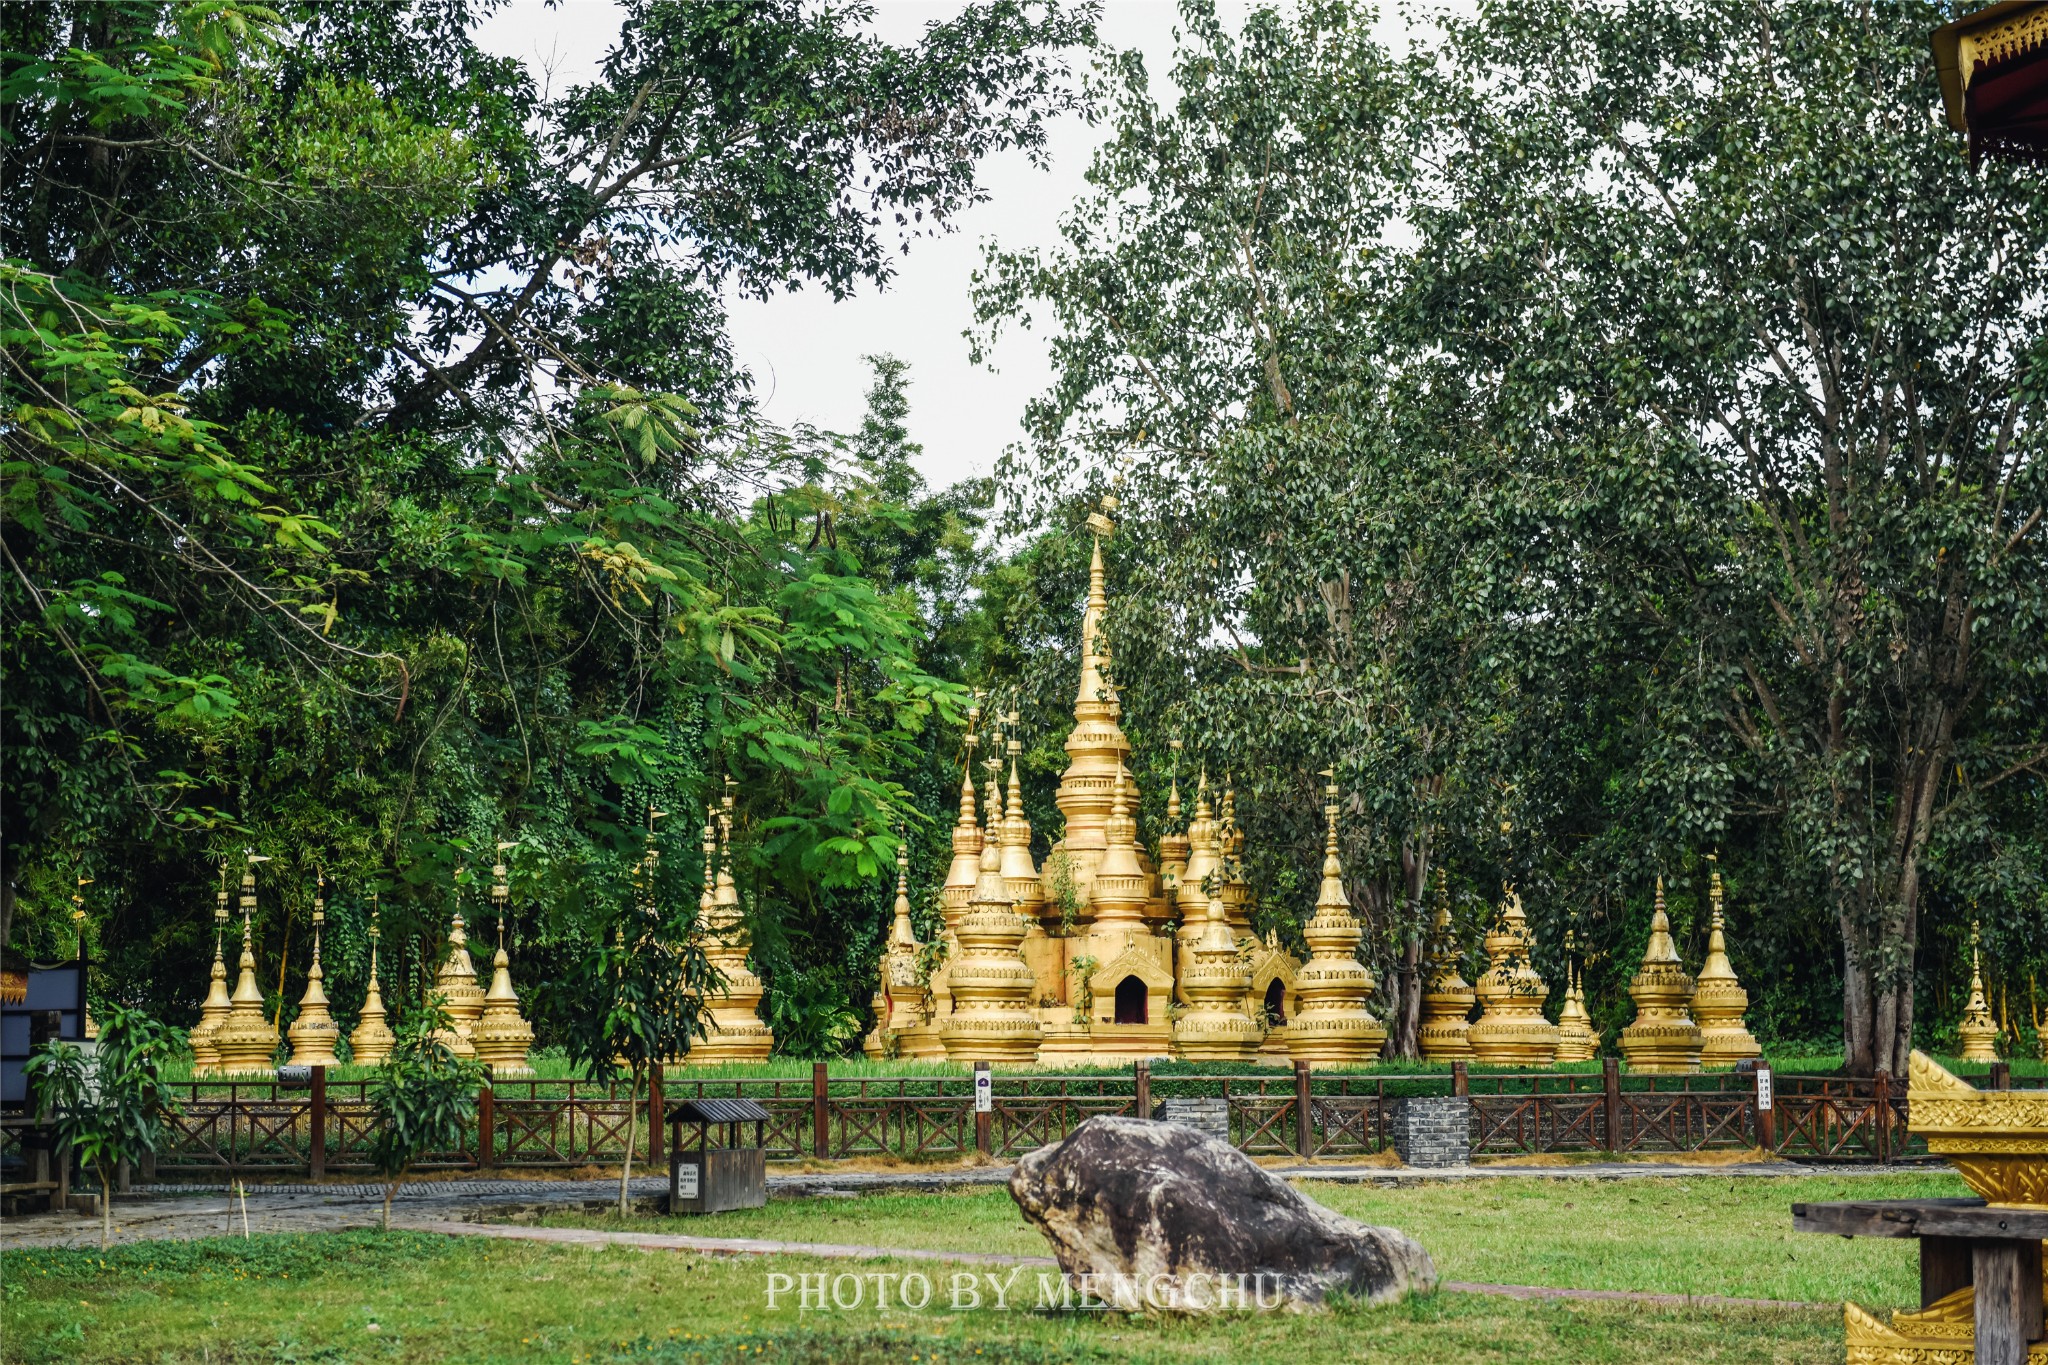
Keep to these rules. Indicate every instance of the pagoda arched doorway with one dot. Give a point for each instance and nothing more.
(1130, 1001)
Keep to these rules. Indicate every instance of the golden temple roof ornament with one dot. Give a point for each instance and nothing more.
(455, 984)
(966, 865)
(1718, 1000)
(1577, 1039)
(245, 1043)
(734, 1032)
(1978, 1032)
(1444, 1035)
(992, 1019)
(1335, 1023)
(1021, 875)
(213, 1012)
(502, 1037)
(1512, 1031)
(372, 1040)
(1663, 1040)
(314, 1033)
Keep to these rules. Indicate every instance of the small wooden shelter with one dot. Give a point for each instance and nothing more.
(703, 1178)
(1993, 65)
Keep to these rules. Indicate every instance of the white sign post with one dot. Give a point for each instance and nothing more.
(984, 1090)
(1763, 1089)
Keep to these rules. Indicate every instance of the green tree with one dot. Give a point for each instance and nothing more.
(422, 1100)
(111, 1108)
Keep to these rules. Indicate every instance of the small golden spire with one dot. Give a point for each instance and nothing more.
(1663, 1039)
(372, 1040)
(1447, 1007)
(314, 1033)
(1718, 999)
(1335, 1022)
(213, 1011)
(1979, 1034)
(245, 1042)
(501, 1035)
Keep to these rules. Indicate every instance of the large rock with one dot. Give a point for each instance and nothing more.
(1158, 1216)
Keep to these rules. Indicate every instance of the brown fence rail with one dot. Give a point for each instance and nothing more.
(268, 1129)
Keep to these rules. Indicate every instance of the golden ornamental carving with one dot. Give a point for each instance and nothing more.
(1996, 1139)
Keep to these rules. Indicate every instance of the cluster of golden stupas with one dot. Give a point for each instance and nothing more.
(1100, 955)
(1681, 1024)
(233, 1038)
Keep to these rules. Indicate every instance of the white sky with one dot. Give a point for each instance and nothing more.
(805, 350)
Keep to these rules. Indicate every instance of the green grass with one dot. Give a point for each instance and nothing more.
(1726, 1236)
(314, 1298)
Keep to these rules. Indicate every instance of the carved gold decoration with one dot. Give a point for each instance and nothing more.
(314, 1033)
(1663, 1040)
(1512, 1031)
(1943, 1333)
(1996, 1139)
(371, 1042)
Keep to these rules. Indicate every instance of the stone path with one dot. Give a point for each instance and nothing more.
(208, 1210)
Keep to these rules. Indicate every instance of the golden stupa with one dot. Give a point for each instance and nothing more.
(1577, 1039)
(1512, 1031)
(899, 998)
(213, 1012)
(502, 1037)
(1096, 936)
(455, 985)
(314, 1033)
(1445, 1033)
(1663, 1040)
(1979, 1034)
(246, 1043)
(1214, 1026)
(1718, 1000)
(372, 1040)
(1997, 1140)
(992, 1019)
(1335, 1023)
(734, 1032)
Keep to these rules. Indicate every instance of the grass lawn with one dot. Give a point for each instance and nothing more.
(406, 1297)
(1730, 1236)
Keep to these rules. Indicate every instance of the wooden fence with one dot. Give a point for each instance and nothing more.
(264, 1128)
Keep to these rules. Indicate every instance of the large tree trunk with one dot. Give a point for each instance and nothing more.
(1404, 1022)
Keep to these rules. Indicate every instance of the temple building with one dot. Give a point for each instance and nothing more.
(1089, 956)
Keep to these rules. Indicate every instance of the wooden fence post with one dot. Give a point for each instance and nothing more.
(656, 1115)
(1461, 1079)
(1141, 1088)
(821, 1129)
(1304, 1139)
(487, 1122)
(317, 1122)
(1610, 1085)
(2001, 1075)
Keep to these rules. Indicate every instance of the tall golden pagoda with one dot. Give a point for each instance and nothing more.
(214, 1011)
(992, 1019)
(1718, 1000)
(1335, 1023)
(1512, 1031)
(734, 1033)
(1978, 1033)
(502, 1037)
(1214, 1027)
(372, 1040)
(314, 1033)
(1663, 1040)
(899, 1000)
(455, 984)
(1446, 1027)
(245, 1042)
(1577, 1039)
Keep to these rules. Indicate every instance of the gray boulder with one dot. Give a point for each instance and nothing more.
(1159, 1217)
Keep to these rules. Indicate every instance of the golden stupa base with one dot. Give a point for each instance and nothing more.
(1011, 1040)
(1345, 1040)
(1448, 1040)
(1660, 1049)
(502, 1045)
(1579, 1044)
(371, 1043)
(1979, 1045)
(1513, 1042)
(1216, 1035)
(1061, 1039)
(313, 1042)
(1724, 1046)
(733, 1043)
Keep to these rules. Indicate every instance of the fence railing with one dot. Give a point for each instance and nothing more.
(268, 1128)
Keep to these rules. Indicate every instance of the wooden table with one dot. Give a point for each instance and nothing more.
(1962, 1242)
